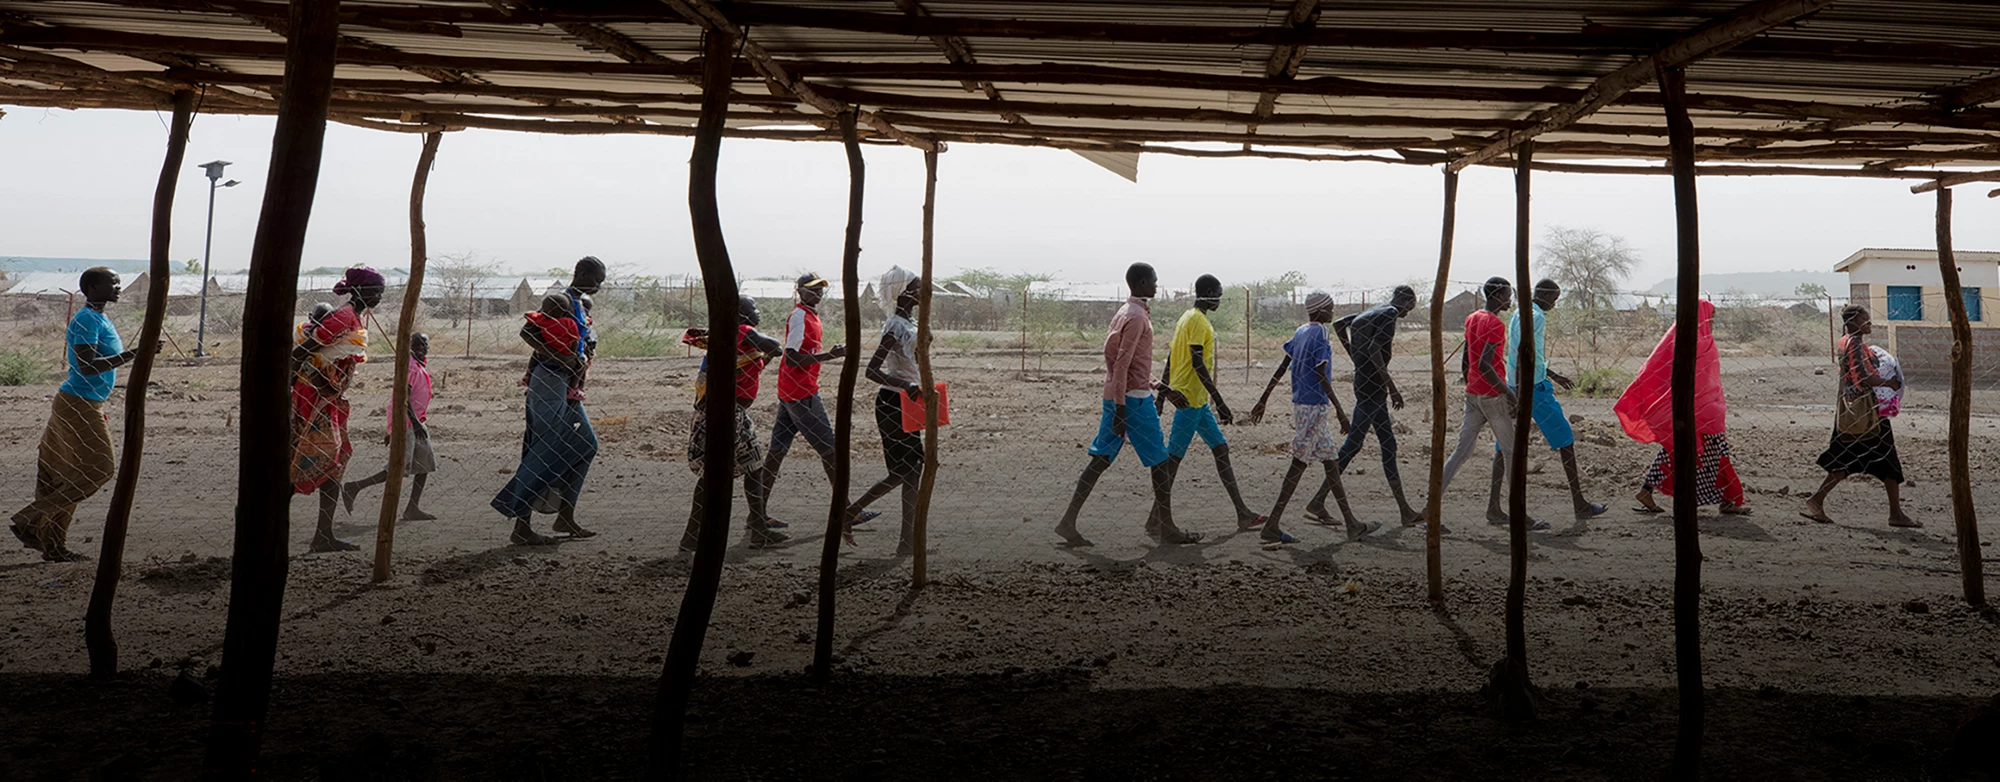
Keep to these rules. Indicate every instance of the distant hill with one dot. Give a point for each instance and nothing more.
(18, 263)
(1768, 284)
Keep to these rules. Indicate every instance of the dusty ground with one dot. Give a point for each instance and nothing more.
(1835, 652)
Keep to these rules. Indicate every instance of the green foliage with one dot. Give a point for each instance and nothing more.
(23, 368)
(1810, 290)
(191, 266)
(1607, 382)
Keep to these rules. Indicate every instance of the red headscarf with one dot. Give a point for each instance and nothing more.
(1646, 410)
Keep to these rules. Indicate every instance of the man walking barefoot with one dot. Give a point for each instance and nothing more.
(1130, 413)
(1369, 338)
(76, 459)
(1190, 386)
(1549, 415)
(1309, 356)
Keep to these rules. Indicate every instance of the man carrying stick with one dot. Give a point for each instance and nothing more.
(75, 459)
(1190, 386)
(1549, 415)
(1309, 356)
(1130, 413)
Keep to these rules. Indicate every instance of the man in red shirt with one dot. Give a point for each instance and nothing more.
(753, 350)
(1489, 403)
(800, 411)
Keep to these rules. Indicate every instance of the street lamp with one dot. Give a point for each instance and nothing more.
(214, 169)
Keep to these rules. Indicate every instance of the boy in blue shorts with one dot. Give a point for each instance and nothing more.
(1549, 415)
(1190, 386)
(1130, 413)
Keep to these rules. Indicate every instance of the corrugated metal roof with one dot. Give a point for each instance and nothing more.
(1455, 72)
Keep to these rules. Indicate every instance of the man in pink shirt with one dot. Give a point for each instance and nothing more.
(1129, 413)
(419, 460)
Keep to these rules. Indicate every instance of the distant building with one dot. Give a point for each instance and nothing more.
(1904, 293)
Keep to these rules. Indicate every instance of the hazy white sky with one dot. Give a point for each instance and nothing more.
(80, 183)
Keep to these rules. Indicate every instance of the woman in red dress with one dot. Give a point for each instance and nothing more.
(323, 360)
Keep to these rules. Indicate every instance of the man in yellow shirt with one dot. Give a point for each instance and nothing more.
(1191, 388)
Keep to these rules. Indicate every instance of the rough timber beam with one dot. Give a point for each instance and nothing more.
(1285, 58)
(711, 19)
(1745, 23)
(1970, 95)
(959, 52)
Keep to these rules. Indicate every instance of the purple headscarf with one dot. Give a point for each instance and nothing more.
(359, 277)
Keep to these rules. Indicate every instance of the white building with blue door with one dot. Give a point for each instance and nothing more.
(1905, 288)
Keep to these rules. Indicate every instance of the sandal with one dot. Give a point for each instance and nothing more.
(1736, 510)
(1648, 511)
(1256, 523)
(1821, 518)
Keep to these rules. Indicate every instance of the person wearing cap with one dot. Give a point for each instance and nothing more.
(753, 350)
(559, 444)
(893, 367)
(1309, 356)
(1198, 405)
(1129, 413)
(1369, 338)
(1547, 410)
(1489, 403)
(800, 411)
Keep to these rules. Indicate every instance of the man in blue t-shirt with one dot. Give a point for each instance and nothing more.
(1548, 412)
(1309, 356)
(75, 459)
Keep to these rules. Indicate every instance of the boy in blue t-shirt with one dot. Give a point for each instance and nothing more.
(1308, 355)
(75, 459)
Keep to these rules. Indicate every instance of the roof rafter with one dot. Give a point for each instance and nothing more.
(1717, 36)
(1285, 58)
(958, 52)
(714, 21)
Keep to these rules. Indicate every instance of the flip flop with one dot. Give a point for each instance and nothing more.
(1323, 518)
(1246, 526)
(1367, 528)
(1284, 538)
(867, 516)
(1539, 526)
(1647, 511)
(1596, 510)
(1820, 519)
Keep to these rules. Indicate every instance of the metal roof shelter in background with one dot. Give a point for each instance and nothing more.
(1871, 87)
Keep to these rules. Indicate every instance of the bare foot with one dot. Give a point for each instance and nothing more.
(1496, 516)
(1070, 536)
(1905, 522)
(1646, 503)
(1816, 512)
(1412, 517)
(325, 544)
(417, 514)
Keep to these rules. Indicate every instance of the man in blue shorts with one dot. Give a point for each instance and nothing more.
(1198, 405)
(1549, 415)
(1130, 413)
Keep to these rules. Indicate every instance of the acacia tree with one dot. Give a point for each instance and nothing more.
(452, 275)
(1590, 265)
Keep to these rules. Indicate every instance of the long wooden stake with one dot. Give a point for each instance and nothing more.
(843, 413)
(1687, 327)
(97, 635)
(1959, 444)
(264, 483)
(1434, 504)
(919, 564)
(399, 395)
(705, 575)
(1513, 689)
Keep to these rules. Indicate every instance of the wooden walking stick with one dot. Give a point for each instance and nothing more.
(97, 635)
(399, 394)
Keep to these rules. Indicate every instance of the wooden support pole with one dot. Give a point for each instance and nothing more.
(719, 278)
(1964, 514)
(1687, 327)
(399, 394)
(1511, 688)
(919, 563)
(97, 635)
(843, 418)
(264, 483)
(1434, 503)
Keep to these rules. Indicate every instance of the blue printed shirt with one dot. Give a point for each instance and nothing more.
(1309, 347)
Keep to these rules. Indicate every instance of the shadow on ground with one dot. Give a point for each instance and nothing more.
(1018, 725)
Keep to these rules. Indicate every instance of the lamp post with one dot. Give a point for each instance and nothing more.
(214, 169)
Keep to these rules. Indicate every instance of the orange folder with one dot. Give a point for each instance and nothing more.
(913, 410)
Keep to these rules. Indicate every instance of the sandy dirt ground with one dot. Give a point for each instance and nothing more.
(1837, 651)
